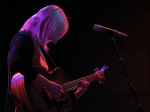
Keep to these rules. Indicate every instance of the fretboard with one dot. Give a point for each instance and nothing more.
(75, 83)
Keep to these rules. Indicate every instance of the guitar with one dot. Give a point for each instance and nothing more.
(38, 99)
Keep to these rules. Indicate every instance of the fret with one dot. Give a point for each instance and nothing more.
(69, 86)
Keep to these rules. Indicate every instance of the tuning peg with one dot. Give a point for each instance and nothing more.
(96, 69)
(101, 69)
(100, 81)
(104, 68)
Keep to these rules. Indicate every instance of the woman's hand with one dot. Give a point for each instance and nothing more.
(53, 88)
(82, 88)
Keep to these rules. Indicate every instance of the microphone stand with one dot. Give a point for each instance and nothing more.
(130, 84)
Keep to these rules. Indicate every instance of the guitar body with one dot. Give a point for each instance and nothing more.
(37, 98)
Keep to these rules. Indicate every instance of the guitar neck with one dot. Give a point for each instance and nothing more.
(75, 83)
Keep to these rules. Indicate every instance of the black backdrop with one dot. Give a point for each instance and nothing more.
(82, 49)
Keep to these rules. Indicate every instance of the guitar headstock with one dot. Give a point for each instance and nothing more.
(100, 73)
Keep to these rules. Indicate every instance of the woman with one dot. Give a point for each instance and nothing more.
(26, 50)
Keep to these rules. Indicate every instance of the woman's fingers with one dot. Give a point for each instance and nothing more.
(84, 84)
(59, 95)
(56, 98)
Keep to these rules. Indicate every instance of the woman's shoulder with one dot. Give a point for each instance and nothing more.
(22, 36)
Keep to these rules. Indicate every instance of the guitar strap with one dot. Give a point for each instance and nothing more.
(49, 60)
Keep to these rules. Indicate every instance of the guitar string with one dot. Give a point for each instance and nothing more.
(70, 85)
(74, 84)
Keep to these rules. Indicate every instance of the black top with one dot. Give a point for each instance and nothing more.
(20, 56)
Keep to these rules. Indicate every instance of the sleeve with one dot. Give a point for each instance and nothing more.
(18, 58)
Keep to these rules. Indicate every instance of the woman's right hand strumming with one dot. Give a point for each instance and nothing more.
(53, 88)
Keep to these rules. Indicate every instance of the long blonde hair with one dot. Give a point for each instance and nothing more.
(48, 24)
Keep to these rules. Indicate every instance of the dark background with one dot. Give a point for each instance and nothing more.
(82, 49)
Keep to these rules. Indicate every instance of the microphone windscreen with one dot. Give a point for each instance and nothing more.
(99, 28)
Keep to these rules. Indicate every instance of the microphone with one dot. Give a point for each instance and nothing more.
(109, 31)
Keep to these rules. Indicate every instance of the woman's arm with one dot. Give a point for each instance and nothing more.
(20, 56)
(54, 88)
